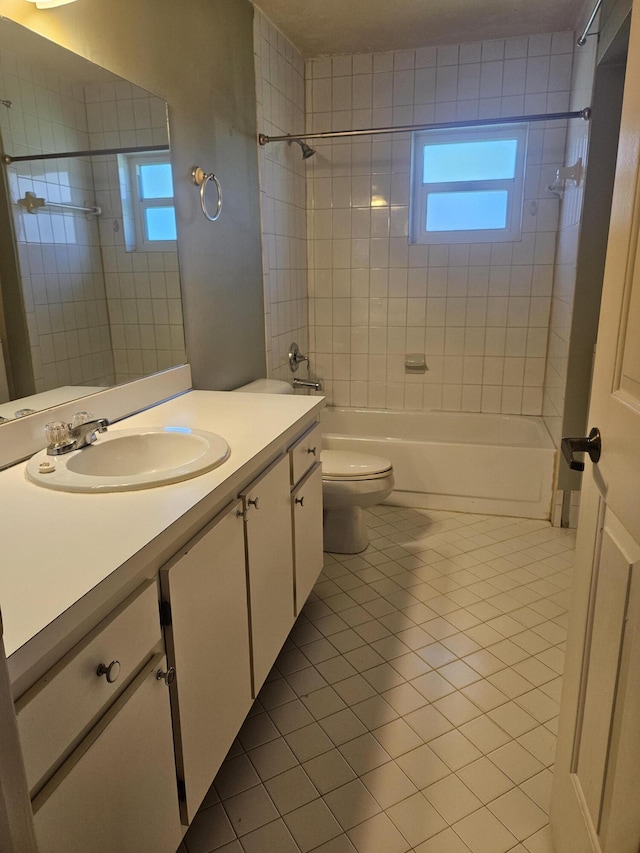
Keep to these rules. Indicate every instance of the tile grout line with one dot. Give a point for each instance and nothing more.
(320, 621)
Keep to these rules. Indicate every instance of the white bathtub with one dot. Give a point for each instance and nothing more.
(493, 464)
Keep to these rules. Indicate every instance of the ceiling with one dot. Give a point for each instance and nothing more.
(331, 27)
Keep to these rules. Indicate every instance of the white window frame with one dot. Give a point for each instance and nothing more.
(420, 191)
(136, 238)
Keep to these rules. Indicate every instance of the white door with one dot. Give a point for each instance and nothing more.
(596, 797)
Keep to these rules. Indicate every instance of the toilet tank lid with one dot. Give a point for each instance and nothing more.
(266, 386)
(344, 463)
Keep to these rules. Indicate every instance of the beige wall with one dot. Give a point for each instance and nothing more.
(199, 57)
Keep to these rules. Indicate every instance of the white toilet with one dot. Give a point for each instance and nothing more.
(350, 482)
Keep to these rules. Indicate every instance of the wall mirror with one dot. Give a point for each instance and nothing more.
(89, 276)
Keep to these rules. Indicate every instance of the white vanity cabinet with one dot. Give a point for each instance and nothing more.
(207, 631)
(306, 512)
(128, 699)
(97, 740)
(118, 791)
(267, 514)
(306, 505)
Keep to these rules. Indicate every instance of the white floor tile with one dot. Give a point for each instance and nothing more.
(312, 825)
(389, 784)
(416, 819)
(291, 789)
(329, 771)
(452, 799)
(443, 842)
(414, 706)
(485, 779)
(378, 835)
(482, 832)
(352, 804)
(273, 836)
(455, 749)
(250, 810)
(397, 738)
(518, 813)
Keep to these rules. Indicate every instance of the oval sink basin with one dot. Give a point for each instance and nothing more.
(129, 459)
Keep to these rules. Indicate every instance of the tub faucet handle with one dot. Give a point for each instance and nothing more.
(296, 357)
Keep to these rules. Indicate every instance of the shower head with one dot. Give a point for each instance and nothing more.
(306, 150)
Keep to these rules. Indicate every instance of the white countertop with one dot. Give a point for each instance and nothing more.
(58, 546)
(47, 399)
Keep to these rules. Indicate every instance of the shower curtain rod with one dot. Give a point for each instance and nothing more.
(7, 159)
(583, 38)
(585, 114)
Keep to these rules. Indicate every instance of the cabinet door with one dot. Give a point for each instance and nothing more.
(267, 505)
(63, 705)
(307, 533)
(117, 791)
(208, 644)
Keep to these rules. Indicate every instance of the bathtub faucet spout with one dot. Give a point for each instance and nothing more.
(308, 383)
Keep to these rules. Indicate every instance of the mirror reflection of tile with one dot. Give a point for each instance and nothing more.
(100, 305)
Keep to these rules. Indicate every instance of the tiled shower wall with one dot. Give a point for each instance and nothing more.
(479, 312)
(281, 109)
(143, 288)
(59, 252)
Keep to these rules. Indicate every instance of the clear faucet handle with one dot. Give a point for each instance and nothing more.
(57, 432)
(81, 418)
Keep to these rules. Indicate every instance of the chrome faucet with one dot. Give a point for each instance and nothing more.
(63, 438)
(307, 383)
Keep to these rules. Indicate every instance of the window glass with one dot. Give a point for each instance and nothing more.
(470, 161)
(467, 184)
(160, 223)
(155, 180)
(467, 211)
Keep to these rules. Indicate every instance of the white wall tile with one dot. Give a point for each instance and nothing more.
(485, 306)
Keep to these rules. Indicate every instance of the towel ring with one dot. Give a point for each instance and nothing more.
(201, 179)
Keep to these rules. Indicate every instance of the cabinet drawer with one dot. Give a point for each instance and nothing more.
(305, 453)
(57, 711)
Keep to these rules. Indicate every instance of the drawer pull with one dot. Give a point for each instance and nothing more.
(312, 450)
(300, 501)
(110, 672)
(254, 502)
(168, 677)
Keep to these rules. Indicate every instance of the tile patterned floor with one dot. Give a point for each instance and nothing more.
(414, 705)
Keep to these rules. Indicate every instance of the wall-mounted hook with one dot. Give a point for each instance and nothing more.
(567, 173)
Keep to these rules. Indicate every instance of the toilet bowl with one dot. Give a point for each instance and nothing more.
(350, 483)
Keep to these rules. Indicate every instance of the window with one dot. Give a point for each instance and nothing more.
(146, 187)
(467, 184)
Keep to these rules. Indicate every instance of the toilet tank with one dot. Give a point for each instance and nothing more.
(266, 386)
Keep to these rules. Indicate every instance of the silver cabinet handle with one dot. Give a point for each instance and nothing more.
(312, 450)
(110, 672)
(300, 501)
(253, 502)
(168, 677)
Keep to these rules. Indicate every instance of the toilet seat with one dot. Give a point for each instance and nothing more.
(342, 465)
